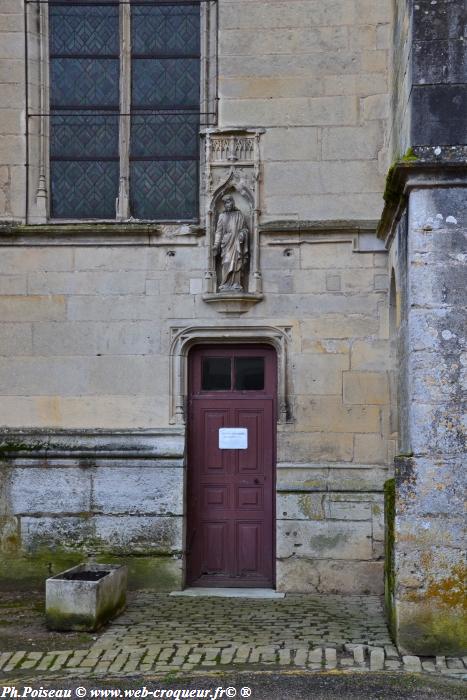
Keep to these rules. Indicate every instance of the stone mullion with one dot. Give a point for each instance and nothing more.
(43, 205)
(123, 207)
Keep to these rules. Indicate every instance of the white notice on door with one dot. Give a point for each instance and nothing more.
(233, 438)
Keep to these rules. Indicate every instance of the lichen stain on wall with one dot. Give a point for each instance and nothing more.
(49, 410)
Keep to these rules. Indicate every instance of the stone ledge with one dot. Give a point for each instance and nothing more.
(93, 443)
(424, 170)
(92, 233)
(318, 227)
(234, 302)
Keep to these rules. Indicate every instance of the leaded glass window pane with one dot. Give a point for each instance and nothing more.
(84, 189)
(84, 81)
(169, 29)
(160, 136)
(86, 108)
(165, 111)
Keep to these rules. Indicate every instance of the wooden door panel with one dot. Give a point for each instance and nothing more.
(213, 459)
(250, 460)
(250, 497)
(249, 537)
(215, 547)
(215, 497)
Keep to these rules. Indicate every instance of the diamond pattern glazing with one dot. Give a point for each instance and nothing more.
(84, 189)
(161, 135)
(167, 29)
(84, 30)
(84, 82)
(164, 189)
(165, 82)
(75, 136)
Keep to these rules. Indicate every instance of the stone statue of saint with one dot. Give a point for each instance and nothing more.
(231, 243)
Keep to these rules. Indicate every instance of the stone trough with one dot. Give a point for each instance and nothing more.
(85, 597)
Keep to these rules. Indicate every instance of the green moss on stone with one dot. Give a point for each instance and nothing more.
(392, 191)
(428, 630)
(409, 156)
(161, 573)
(26, 572)
(10, 447)
(63, 622)
(389, 575)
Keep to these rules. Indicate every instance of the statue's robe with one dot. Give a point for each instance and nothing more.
(233, 251)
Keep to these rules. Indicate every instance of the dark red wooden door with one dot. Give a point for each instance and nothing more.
(230, 531)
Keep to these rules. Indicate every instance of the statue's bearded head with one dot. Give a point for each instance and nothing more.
(229, 204)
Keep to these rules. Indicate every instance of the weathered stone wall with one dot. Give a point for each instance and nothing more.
(85, 344)
(401, 79)
(69, 495)
(424, 224)
(315, 75)
(429, 522)
(429, 94)
(12, 111)
(87, 321)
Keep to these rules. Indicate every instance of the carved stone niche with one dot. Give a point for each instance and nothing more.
(233, 276)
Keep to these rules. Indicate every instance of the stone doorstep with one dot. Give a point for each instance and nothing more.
(261, 593)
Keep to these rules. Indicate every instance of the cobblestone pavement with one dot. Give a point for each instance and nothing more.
(163, 634)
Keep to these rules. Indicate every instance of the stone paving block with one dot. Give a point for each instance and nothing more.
(391, 652)
(392, 664)
(77, 657)
(429, 666)
(330, 657)
(132, 663)
(46, 662)
(315, 656)
(285, 657)
(14, 660)
(102, 667)
(119, 662)
(60, 660)
(166, 654)
(377, 659)
(412, 663)
(359, 654)
(4, 658)
(301, 657)
(346, 662)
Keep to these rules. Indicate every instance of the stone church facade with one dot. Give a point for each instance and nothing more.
(219, 343)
